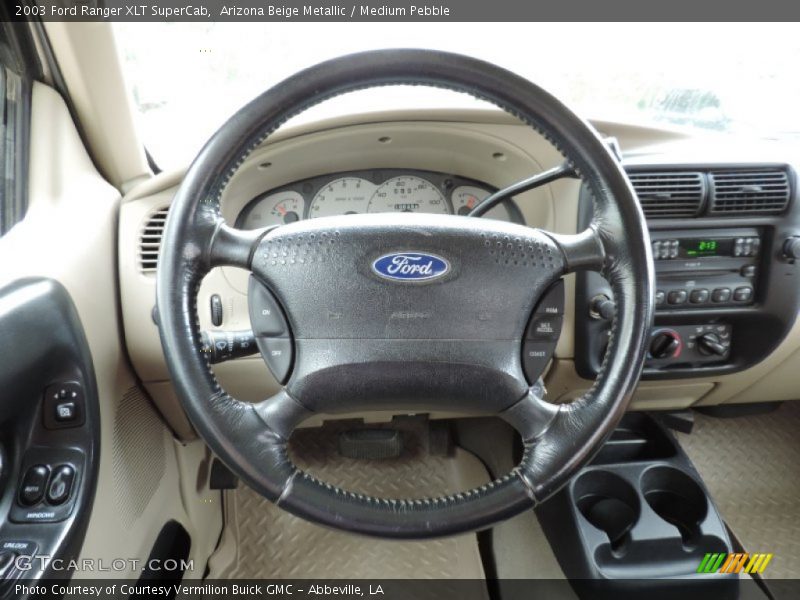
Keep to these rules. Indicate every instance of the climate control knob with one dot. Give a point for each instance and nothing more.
(665, 344)
(710, 343)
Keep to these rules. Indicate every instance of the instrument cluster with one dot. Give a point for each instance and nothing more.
(371, 191)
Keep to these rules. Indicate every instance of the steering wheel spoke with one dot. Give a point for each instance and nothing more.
(232, 247)
(282, 413)
(584, 251)
(524, 185)
(532, 415)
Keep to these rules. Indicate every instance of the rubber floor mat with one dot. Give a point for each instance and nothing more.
(261, 540)
(751, 465)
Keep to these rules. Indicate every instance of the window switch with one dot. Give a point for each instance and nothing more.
(33, 484)
(60, 485)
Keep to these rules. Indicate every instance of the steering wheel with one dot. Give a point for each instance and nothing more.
(339, 298)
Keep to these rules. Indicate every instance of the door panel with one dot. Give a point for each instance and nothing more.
(69, 238)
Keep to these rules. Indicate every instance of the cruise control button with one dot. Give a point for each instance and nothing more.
(266, 316)
(743, 294)
(545, 327)
(60, 484)
(278, 354)
(535, 356)
(721, 295)
(698, 296)
(676, 297)
(32, 489)
(552, 301)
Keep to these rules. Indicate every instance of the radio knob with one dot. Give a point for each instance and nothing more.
(709, 343)
(665, 344)
(791, 248)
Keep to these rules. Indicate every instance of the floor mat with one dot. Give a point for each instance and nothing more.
(261, 540)
(751, 465)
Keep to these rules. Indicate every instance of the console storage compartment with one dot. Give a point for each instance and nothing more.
(637, 520)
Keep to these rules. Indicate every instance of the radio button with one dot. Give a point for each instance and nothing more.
(699, 296)
(748, 271)
(676, 297)
(673, 249)
(721, 295)
(656, 250)
(743, 294)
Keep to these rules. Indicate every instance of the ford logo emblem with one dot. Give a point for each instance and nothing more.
(410, 266)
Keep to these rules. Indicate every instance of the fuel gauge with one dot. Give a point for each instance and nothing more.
(467, 197)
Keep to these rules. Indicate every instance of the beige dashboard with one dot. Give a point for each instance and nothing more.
(486, 146)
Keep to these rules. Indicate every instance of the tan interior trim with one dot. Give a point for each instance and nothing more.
(86, 54)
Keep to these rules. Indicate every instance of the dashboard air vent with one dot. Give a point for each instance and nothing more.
(760, 191)
(150, 240)
(669, 194)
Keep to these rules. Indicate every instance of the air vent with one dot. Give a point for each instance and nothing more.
(669, 194)
(150, 241)
(764, 192)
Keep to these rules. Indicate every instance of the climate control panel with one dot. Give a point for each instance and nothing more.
(689, 345)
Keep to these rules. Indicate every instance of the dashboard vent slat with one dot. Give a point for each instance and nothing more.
(750, 191)
(150, 240)
(669, 194)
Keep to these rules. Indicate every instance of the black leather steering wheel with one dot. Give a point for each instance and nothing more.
(468, 360)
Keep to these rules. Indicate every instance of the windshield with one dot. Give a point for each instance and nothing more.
(187, 78)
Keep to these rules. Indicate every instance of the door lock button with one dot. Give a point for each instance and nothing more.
(33, 484)
(60, 484)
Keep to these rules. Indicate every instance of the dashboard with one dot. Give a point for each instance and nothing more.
(371, 191)
(724, 222)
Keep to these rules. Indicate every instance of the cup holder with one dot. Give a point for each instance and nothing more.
(609, 503)
(678, 499)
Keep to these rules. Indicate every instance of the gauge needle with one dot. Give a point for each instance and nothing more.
(281, 209)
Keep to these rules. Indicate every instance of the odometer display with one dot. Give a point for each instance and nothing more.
(408, 194)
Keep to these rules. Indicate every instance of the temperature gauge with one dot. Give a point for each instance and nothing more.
(276, 209)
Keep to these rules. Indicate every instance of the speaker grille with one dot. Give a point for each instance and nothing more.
(139, 455)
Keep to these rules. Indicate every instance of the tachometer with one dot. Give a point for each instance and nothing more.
(275, 209)
(466, 197)
(408, 194)
(344, 196)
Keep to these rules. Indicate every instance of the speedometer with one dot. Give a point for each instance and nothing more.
(344, 196)
(408, 194)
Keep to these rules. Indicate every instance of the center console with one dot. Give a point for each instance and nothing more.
(727, 286)
(638, 521)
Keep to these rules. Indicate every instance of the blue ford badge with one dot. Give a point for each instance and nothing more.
(410, 266)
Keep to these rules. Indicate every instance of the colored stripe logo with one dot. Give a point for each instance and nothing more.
(737, 562)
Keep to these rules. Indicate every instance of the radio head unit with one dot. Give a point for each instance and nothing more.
(704, 247)
(701, 270)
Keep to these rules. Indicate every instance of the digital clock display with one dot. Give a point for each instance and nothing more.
(702, 248)
(706, 247)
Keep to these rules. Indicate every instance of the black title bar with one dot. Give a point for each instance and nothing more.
(408, 11)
